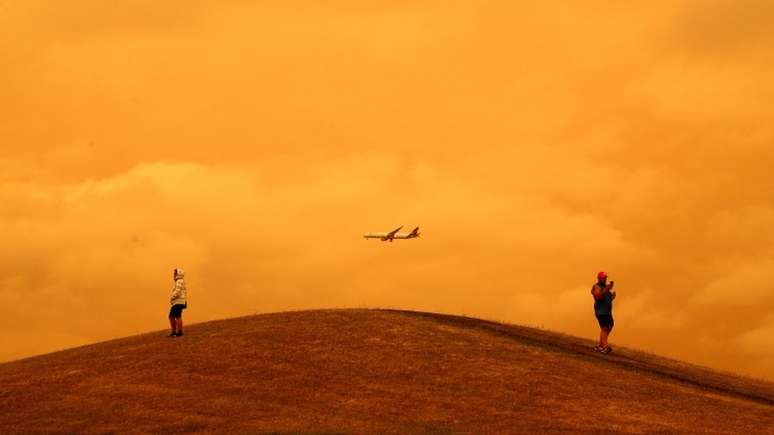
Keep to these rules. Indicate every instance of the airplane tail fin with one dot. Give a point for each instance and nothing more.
(414, 232)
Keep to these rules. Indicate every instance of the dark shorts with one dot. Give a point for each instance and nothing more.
(176, 311)
(605, 320)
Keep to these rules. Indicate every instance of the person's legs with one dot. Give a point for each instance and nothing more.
(607, 336)
(605, 326)
(175, 323)
(180, 325)
(603, 333)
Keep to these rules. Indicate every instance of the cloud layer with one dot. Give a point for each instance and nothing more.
(253, 144)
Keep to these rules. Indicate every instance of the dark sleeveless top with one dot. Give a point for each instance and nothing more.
(603, 306)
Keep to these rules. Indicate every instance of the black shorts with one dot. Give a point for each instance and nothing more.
(605, 320)
(176, 311)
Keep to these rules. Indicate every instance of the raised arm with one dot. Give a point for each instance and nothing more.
(599, 292)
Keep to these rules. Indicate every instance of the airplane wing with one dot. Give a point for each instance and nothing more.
(392, 233)
(389, 237)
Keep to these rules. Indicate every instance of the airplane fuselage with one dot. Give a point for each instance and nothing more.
(386, 237)
(392, 235)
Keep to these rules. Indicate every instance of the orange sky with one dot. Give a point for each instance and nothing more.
(252, 143)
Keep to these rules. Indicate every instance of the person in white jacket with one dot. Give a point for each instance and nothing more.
(179, 303)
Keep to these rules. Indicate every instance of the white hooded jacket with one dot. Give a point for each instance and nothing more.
(178, 292)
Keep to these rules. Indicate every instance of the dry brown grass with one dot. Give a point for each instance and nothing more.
(366, 371)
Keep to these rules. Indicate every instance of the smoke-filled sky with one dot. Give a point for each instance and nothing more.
(252, 143)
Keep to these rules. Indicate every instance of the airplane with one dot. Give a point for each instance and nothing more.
(392, 235)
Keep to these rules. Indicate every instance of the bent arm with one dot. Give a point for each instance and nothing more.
(176, 291)
(611, 291)
(599, 292)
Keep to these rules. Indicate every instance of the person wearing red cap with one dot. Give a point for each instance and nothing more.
(603, 309)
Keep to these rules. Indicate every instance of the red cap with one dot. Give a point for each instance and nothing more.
(601, 276)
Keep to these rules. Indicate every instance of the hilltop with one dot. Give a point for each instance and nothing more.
(366, 371)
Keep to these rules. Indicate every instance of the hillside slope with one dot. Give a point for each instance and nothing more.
(367, 371)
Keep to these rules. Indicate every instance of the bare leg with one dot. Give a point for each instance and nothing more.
(179, 325)
(603, 333)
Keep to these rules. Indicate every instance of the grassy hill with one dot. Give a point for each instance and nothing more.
(366, 371)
